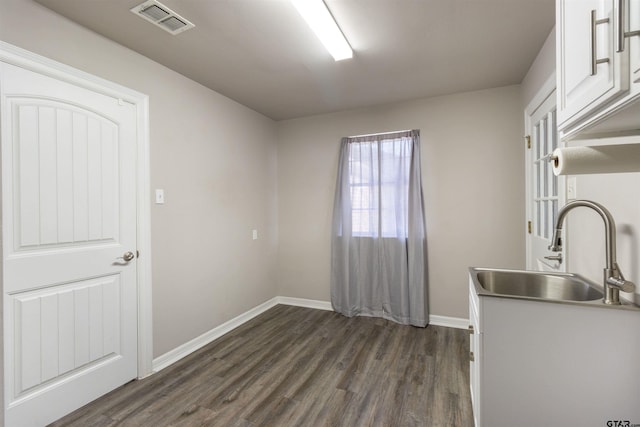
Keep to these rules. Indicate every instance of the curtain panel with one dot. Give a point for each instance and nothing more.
(378, 255)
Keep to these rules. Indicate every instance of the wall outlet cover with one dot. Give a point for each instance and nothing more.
(572, 188)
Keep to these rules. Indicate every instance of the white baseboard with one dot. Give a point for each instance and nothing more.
(197, 343)
(450, 322)
(308, 303)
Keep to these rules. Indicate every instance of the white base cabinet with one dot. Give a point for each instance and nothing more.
(475, 356)
(550, 364)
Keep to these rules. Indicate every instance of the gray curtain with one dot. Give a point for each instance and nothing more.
(378, 254)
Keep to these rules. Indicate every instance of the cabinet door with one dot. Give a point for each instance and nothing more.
(584, 38)
(634, 41)
(475, 356)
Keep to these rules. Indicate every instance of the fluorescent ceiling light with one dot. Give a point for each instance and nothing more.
(319, 18)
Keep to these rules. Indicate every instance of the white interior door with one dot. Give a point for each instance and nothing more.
(545, 190)
(69, 216)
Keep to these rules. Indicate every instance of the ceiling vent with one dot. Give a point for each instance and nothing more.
(160, 15)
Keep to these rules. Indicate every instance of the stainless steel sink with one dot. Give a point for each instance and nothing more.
(534, 284)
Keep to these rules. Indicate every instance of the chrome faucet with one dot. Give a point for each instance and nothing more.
(614, 281)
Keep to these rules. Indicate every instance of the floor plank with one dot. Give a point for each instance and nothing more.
(294, 366)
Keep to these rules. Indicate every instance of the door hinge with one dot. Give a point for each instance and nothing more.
(528, 141)
(529, 227)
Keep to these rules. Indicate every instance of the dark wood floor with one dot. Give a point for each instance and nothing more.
(295, 366)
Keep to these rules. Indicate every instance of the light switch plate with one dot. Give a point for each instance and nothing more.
(159, 196)
(255, 234)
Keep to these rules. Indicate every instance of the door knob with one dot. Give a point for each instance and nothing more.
(128, 256)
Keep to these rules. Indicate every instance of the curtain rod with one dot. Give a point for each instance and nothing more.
(380, 133)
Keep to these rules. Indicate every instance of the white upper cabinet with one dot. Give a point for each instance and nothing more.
(590, 72)
(634, 41)
(598, 61)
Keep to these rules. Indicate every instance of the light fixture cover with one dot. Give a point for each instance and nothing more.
(160, 15)
(318, 17)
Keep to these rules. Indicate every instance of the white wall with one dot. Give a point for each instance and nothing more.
(472, 178)
(542, 69)
(216, 161)
(620, 194)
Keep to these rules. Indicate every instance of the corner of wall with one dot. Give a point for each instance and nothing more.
(542, 68)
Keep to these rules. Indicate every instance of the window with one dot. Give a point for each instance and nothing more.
(379, 185)
(378, 238)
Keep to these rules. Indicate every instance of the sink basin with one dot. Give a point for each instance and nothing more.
(534, 284)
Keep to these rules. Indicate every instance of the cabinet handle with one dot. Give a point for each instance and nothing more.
(621, 34)
(620, 27)
(471, 356)
(594, 50)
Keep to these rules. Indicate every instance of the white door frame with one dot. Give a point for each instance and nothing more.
(22, 58)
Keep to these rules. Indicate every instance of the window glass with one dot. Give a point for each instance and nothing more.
(379, 184)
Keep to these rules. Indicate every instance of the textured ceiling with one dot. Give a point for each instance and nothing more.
(262, 54)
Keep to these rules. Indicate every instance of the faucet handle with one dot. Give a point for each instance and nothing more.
(621, 284)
